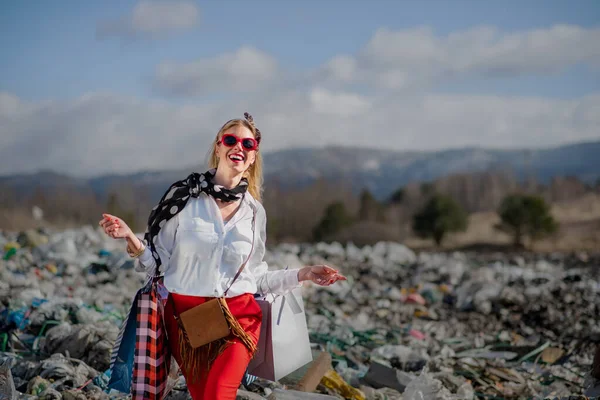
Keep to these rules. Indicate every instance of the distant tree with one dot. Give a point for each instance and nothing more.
(8, 196)
(273, 227)
(477, 191)
(367, 205)
(334, 219)
(525, 216)
(40, 198)
(427, 188)
(113, 206)
(370, 209)
(380, 214)
(398, 196)
(440, 215)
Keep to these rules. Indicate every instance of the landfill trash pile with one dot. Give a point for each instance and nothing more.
(404, 325)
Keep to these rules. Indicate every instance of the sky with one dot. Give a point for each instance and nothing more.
(95, 87)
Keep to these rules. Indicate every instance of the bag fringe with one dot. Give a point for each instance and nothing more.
(237, 329)
(197, 362)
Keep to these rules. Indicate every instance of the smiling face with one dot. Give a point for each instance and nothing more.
(237, 157)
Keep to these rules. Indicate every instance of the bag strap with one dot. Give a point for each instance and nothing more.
(249, 254)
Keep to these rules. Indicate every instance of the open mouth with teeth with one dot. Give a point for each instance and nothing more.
(237, 158)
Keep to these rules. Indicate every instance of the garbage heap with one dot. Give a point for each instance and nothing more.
(404, 325)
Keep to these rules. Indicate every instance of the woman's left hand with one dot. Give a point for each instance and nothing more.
(320, 274)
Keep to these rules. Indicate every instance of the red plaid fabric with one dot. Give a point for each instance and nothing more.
(152, 356)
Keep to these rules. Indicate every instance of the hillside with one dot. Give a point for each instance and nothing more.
(381, 171)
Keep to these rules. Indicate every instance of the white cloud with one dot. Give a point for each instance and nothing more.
(411, 59)
(103, 132)
(152, 19)
(246, 69)
(345, 101)
(341, 104)
(341, 68)
(100, 133)
(508, 121)
(418, 57)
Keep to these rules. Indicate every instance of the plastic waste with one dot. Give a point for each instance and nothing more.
(380, 375)
(457, 321)
(280, 394)
(487, 354)
(7, 385)
(422, 392)
(18, 318)
(10, 249)
(416, 298)
(424, 387)
(417, 334)
(332, 380)
(351, 375)
(401, 357)
(73, 394)
(58, 366)
(37, 386)
(50, 394)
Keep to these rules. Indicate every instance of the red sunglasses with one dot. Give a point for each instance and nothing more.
(230, 140)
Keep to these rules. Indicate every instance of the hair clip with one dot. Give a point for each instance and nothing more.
(250, 120)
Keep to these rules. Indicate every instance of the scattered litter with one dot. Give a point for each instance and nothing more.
(334, 382)
(404, 325)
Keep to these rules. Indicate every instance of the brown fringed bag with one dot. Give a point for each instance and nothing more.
(203, 330)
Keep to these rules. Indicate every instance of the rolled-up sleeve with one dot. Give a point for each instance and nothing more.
(164, 243)
(277, 281)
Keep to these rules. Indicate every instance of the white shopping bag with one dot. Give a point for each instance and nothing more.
(283, 346)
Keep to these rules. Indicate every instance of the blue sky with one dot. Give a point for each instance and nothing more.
(59, 62)
(54, 52)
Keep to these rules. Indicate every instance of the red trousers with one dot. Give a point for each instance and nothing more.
(227, 371)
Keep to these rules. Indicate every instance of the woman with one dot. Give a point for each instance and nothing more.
(205, 227)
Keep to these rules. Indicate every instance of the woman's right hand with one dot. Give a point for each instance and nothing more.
(115, 227)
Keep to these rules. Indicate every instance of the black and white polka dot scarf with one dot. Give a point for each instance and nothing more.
(177, 196)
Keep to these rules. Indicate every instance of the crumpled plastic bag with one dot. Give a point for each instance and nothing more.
(426, 387)
(7, 385)
(91, 343)
(58, 367)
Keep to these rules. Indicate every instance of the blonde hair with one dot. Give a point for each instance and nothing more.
(254, 173)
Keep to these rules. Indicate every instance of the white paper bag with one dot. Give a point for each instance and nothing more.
(283, 346)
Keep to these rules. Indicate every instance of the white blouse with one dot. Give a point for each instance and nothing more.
(200, 254)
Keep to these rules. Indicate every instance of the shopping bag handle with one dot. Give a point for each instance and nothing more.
(289, 298)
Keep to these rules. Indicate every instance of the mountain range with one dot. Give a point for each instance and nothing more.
(380, 171)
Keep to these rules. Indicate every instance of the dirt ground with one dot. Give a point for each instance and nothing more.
(579, 230)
